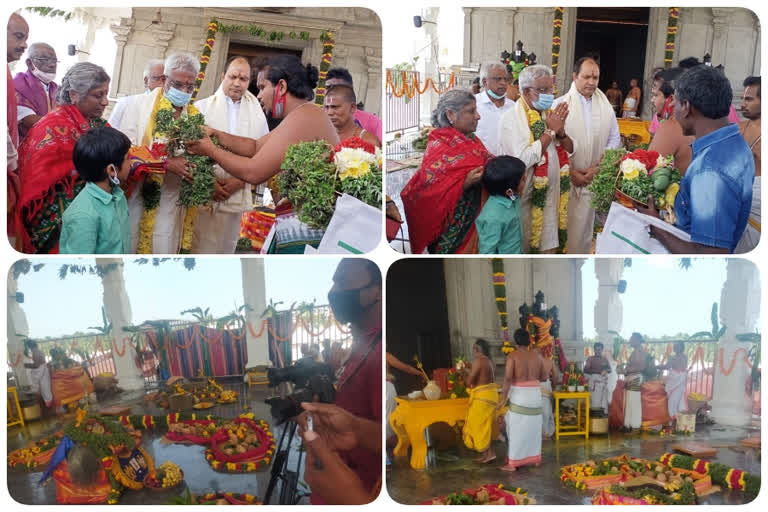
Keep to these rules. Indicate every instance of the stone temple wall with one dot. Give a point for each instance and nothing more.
(357, 34)
(731, 35)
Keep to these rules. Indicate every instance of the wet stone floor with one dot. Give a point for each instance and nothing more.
(199, 477)
(454, 470)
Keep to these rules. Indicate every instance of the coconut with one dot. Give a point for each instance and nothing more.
(661, 477)
(659, 468)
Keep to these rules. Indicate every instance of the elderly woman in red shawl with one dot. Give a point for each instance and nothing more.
(444, 197)
(49, 181)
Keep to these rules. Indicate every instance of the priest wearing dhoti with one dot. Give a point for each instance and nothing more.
(232, 109)
(633, 379)
(675, 382)
(592, 124)
(535, 133)
(483, 398)
(596, 370)
(37, 369)
(156, 226)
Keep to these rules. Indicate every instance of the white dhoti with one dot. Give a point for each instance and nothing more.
(674, 385)
(633, 405)
(524, 424)
(40, 382)
(390, 407)
(217, 228)
(548, 418)
(598, 391)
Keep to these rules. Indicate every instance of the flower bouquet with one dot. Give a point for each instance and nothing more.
(456, 385)
(314, 174)
(573, 378)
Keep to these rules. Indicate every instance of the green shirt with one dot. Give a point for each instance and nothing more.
(498, 226)
(96, 222)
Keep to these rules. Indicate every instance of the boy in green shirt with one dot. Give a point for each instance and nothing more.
(96, 222)
(499, 228)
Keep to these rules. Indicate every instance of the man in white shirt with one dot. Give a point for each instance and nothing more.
(491, 105)
(592, 124)
(153, 78)
(235, 110)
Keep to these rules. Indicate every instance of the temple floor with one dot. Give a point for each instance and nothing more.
(455, 470)
(199, 477)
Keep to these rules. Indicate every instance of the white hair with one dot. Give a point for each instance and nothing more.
(181, 62)
(488, 66)
(453, 100)
(150, 64)
(81, 78)
(34, 47)
(529, 75)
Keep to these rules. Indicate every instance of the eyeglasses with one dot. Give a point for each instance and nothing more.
(45, 60)
(548, 90)
(498, 79)
(181, 86)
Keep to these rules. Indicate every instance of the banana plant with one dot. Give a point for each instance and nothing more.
(717, 331)
(201, 315)
(106, 326)
(236, 317)
(271, 310)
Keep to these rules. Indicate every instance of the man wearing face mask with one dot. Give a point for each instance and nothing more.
(234, 110)
(153, 78)
(544, 147)
(592, 124)
(35, 88)
(491, 105)
(138, 124)
(355, 299)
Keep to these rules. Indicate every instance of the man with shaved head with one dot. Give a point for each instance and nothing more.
(341, 105)
(18, 31)
(491, 105)
(35, 87)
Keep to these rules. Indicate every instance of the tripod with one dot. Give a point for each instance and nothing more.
(289, 480)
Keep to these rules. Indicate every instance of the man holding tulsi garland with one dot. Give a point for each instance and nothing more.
(156, 218)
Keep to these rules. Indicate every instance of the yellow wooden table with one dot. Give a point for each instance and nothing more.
(579, 428)
(15, 414)
(635, 127)
(411, 417)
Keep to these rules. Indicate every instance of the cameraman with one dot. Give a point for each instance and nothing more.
(355, 299)
(335, 430)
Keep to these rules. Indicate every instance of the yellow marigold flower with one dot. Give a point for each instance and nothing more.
(231, 466)
(540, 182)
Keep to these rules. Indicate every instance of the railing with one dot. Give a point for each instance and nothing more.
(308, 328)
(702, 358)
(402, 112)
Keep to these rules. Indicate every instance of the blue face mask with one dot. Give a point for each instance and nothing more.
(544, 102)
(494, 95)
(178, 98)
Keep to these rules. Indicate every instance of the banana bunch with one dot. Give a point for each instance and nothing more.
(673, 486)
(171, 474)
(697, 396)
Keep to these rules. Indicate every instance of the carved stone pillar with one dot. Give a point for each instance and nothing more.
(122, 31)
(254, 294)
(608, 306)
(721, 19)
(16, 329)
(117, 306)
(162, 34)
(467, 35)
(373, 97)
(739, 310)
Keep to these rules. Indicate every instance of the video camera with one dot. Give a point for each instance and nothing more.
(313, 382)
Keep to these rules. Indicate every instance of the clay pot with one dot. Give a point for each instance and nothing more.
(432, 391)
(571, 388)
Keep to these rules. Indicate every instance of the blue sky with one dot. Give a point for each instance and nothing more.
(57, 307)
(661, 299)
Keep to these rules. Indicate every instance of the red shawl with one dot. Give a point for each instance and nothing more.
(45, 159)
(431, 195)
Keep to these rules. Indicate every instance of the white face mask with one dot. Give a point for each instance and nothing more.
(44, 77)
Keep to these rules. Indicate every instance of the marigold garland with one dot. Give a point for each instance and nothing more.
(537, 127)
(325, 65)
(721, 474)
(669, 47)
(205, 57)
(557, 25)
(500, 295)
(410, 91)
